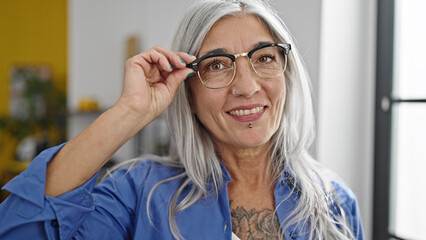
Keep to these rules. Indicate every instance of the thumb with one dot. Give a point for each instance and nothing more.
(174, 80)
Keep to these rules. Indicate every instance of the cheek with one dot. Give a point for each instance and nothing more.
(282, 96)
(207, 108)
(277, 91)
(279, 98)
(203, 103)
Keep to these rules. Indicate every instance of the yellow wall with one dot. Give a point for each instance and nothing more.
(31, 33)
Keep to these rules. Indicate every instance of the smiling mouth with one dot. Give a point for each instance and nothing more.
(246, 112)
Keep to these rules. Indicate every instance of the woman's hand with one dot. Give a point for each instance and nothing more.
(151, 80)
(149, 87)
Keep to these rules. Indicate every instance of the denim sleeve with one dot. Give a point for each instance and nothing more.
(105, 211)
(116, 200)
(350, 207)
(355, 220)
(29, 214)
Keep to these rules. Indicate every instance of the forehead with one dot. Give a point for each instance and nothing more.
(236, 34)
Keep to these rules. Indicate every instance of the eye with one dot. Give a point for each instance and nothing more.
(215, 65)
(265, 58)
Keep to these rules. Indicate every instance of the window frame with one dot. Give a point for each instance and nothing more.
(383, 119)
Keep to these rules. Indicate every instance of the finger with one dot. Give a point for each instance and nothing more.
(187, 58)
(175, 58)
(154, 57)
(175, 78)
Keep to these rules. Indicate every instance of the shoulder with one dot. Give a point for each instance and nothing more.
(347, 202)
(343, 193)
(338, 192)
(154, 171)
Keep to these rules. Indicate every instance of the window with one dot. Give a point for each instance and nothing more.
(400, 127)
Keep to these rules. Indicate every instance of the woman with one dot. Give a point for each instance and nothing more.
(241, 124)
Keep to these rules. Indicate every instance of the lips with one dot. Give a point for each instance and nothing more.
(247, 113)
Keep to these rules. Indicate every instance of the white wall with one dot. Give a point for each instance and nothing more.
(97, 33)
(346, 96)
(303, 18)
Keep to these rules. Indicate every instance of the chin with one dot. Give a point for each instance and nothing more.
(253, 140)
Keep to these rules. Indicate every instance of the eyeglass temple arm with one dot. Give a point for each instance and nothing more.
(193, 65)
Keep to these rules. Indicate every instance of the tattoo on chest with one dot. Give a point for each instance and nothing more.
(255, 224)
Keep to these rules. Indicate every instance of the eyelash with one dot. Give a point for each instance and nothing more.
(212, 62)
(267, 56)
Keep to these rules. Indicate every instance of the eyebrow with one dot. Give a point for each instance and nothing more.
(215, 51)
(260, 44)
(224, 51)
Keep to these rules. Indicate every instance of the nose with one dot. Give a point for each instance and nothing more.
(246, 81)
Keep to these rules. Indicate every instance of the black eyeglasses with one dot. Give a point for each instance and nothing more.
(217, 69)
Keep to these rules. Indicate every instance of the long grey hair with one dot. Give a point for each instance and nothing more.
(193, 147)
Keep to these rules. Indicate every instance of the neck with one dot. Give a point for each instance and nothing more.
(248, 165)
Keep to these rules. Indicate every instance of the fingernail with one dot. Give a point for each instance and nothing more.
(182, 61)
(170, 66)
(190, 74)
(191, 55)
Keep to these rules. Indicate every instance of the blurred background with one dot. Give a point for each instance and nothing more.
(61, 65)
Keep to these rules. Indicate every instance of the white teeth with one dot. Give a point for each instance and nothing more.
(246, 112)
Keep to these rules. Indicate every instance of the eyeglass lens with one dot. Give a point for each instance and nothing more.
(219, 71)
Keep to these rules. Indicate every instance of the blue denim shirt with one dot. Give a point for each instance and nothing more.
(116, 208)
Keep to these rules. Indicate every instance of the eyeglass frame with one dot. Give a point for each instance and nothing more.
(194, 65)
